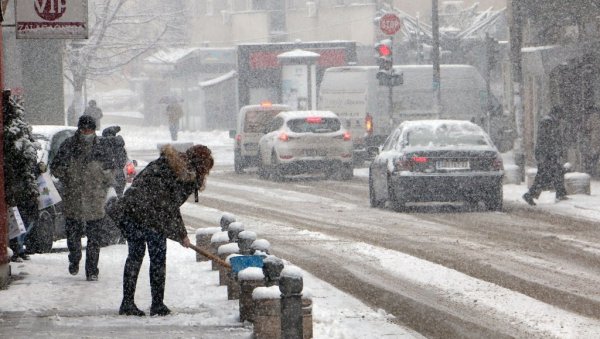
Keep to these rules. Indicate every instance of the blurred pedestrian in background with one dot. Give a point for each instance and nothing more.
(94, 111)
(548, 154)
(117, 156)
(85, 184)
(592, 141)
(174, 114)
(149, 213)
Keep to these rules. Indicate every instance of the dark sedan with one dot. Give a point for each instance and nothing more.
(437, 161)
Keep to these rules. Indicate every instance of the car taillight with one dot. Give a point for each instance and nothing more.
(238, 139)
(130, 169)
(314, 120)
(369, 124)
(283, 137)
(347, 136)
(408, 164)
(420, 160)
(497, 164)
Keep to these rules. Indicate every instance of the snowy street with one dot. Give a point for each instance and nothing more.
(441, 271)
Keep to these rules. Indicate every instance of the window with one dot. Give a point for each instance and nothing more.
(314, 125)
(257, 121)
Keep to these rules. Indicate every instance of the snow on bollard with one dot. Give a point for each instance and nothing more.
(267, 312)
(512, 174)
(272, 267)
(203, 236)
(577, 183)
(223, 252)
(217, 239)
(226, 220)
(245, 240)
(261, 246)
(234, 230)
(250, 278)
(290, 285)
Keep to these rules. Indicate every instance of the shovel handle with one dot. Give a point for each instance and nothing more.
(210, 256)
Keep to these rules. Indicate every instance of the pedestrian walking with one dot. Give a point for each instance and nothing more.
(548, 154)
(85, 185)
(592, 141)
(117, 156)
(149, 213)
(174, 113)
(94, 111)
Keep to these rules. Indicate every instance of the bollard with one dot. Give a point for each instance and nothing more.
(203, 236)
(233, 285)
(267, 314)
(223, 252)
(272, 267)
(217, 239)
(261, 245)
(226, 219)
(234, 230)
(290, 285)
(249, 278)
(245, 240)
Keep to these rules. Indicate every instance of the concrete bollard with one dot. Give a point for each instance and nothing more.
(249, 278)
(267, 314)
(261, 246)
(272, 267)
(577, 183)
(223, 252)
(290, 285)
(245, 240)
(226, 220)
(203, 236)
(233, 285)
(217, 239)
(234, 230)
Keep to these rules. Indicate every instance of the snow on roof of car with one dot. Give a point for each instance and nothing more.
(49, 130)
(464, 125)
(265, 107)
(305, 114)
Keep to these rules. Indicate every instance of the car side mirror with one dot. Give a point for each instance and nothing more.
(232, 133)
(134, 162)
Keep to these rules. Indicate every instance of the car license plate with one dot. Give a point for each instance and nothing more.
(314, 153)
(452, 165)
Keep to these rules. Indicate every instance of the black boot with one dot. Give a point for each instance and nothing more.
(159, 309)
(129, 308)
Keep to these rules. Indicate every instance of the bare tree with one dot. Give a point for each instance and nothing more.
(119, 32)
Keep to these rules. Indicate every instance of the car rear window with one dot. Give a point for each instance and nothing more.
(314, 125)
(256, 121)
(441, 137)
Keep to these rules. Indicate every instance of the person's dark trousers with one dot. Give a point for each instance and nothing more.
(137, 238)
(174, 129)
(75, 230)
(549, 174)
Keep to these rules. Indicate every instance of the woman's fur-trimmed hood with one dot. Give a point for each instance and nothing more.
(178, 163)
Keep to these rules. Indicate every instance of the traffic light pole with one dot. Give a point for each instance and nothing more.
(391, 87)
(435, 58)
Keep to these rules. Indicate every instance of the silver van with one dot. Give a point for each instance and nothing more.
(252, 121)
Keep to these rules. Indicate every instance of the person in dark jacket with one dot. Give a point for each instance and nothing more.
(117, 156)
(85, 185)
(150, 214)
(548, 149)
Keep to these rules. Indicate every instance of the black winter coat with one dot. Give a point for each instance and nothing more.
(154, 198)
(548, 146)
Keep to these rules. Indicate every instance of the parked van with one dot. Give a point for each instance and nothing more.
(354, 93)
(252, 121)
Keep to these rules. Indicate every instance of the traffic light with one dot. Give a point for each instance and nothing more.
(384, 55)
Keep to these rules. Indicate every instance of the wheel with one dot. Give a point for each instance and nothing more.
(495, 199)
(372, 199)
(347, 172)
(261, 170)
(275, 170)
(397, 204)
(238, 162)
(40, 237)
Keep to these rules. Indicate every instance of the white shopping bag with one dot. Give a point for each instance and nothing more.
(16, 227)
(48, 193)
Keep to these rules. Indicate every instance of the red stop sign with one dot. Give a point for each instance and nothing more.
(50, 10)
(390, 24)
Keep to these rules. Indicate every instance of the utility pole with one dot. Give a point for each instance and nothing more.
(4, 258)
(435, 58)
(516, 42)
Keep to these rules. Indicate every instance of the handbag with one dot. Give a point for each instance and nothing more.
(48, 193)
(16, 227)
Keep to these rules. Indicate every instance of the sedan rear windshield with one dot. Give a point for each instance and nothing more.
(256, 121)
(314, 125)
(428, 137)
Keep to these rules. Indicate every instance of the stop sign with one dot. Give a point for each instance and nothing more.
(390, 24)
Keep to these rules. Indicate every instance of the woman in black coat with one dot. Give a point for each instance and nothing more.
(150, 215)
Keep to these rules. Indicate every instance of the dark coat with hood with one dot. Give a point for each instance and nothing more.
(154, 198)
(79, 167)
(548, 146)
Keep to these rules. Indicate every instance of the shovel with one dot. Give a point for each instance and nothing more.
(210, 256)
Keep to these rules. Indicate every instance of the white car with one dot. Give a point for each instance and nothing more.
(300, 142)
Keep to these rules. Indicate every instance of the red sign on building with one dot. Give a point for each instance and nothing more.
(51, 19)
